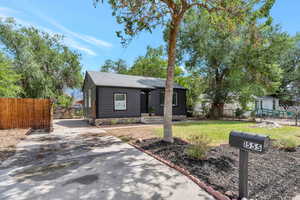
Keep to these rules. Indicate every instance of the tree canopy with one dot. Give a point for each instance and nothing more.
(119, 66)
(145, 15)
(152, 64)
(234, 64)
(44, 64)
(8, 78)
(289, 89)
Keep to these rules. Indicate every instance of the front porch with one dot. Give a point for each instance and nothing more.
(144, 119)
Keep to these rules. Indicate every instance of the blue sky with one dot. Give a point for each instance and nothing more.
(91, 31)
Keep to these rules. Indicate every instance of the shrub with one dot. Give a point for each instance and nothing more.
(287, 144)
(65, 101)
(126, 138)
(151, 110)
(113, 121)
(239, 112)
(199, 146)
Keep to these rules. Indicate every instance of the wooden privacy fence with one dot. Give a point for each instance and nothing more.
(26, 113)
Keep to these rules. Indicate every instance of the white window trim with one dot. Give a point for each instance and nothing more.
(90, 98)
(124, 102)
(85, 99)
(174, 94)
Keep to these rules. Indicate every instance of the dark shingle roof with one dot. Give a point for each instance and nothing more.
(120, 80)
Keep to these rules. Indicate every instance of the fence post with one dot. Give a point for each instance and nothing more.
(51, 116)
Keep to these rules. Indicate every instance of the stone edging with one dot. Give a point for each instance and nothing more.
(185, 172)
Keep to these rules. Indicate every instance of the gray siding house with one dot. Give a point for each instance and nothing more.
(117, 98)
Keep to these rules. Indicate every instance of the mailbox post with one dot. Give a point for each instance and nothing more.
(247, 142)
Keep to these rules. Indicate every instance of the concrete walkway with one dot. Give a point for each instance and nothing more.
(77, 162)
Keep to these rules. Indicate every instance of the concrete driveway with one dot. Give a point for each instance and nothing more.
(78, 162)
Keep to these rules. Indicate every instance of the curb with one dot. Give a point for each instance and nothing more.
(202, 185)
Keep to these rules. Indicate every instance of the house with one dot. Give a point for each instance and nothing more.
(267, 102)
(264, 105)
(270, 106)
(117, 98)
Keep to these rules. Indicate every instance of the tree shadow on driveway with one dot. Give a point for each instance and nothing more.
(90, 168)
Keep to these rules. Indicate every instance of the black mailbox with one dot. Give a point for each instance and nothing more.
(249, 142)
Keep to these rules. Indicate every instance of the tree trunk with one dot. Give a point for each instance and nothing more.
(216, 110)
(169, 83)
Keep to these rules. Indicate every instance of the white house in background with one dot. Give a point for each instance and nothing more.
(267, 102)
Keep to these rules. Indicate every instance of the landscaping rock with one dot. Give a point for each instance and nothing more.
(267, 124)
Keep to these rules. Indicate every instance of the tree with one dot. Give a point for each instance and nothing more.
(289, 89)
(195, 87)
(8, 78)
(153, 64)
(140, 15)
(235, 64)
(45, 65)
(119, 66)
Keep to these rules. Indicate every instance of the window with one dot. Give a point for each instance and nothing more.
(85, 99)
(90, 98)
(274, 104)
(162, 99)
(120, 101)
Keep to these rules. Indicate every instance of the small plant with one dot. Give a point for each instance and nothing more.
(151, 111)
(199, 146)
(287, 144)
(113, 121)
(125, 138)
(239, 112)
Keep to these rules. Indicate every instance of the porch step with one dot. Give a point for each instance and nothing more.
(152, 119)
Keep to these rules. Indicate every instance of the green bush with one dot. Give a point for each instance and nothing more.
(113, 121)
(79, 112)
(65, 101)
(151, 110)
(126, 138)
(199, 146)
(239, 112)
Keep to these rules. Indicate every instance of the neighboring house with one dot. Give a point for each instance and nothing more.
(260, 105)
(267, 102)
(270, 106)
(121, 98)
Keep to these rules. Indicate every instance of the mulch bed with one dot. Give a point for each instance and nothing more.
(273, 175)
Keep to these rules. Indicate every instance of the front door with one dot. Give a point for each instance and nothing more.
(144, 102)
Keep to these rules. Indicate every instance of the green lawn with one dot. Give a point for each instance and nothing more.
(219, 131)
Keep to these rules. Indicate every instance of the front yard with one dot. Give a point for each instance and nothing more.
(273, 175)
(217, 131)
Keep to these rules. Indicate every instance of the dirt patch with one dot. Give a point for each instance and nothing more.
(8, 141)
(134, 133)
(272, 176)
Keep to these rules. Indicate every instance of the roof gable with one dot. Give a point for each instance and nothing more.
(121, 80)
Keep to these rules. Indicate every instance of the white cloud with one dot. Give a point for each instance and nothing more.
(8, 10)
(72, 43)
(69, 41)
(86, 38)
